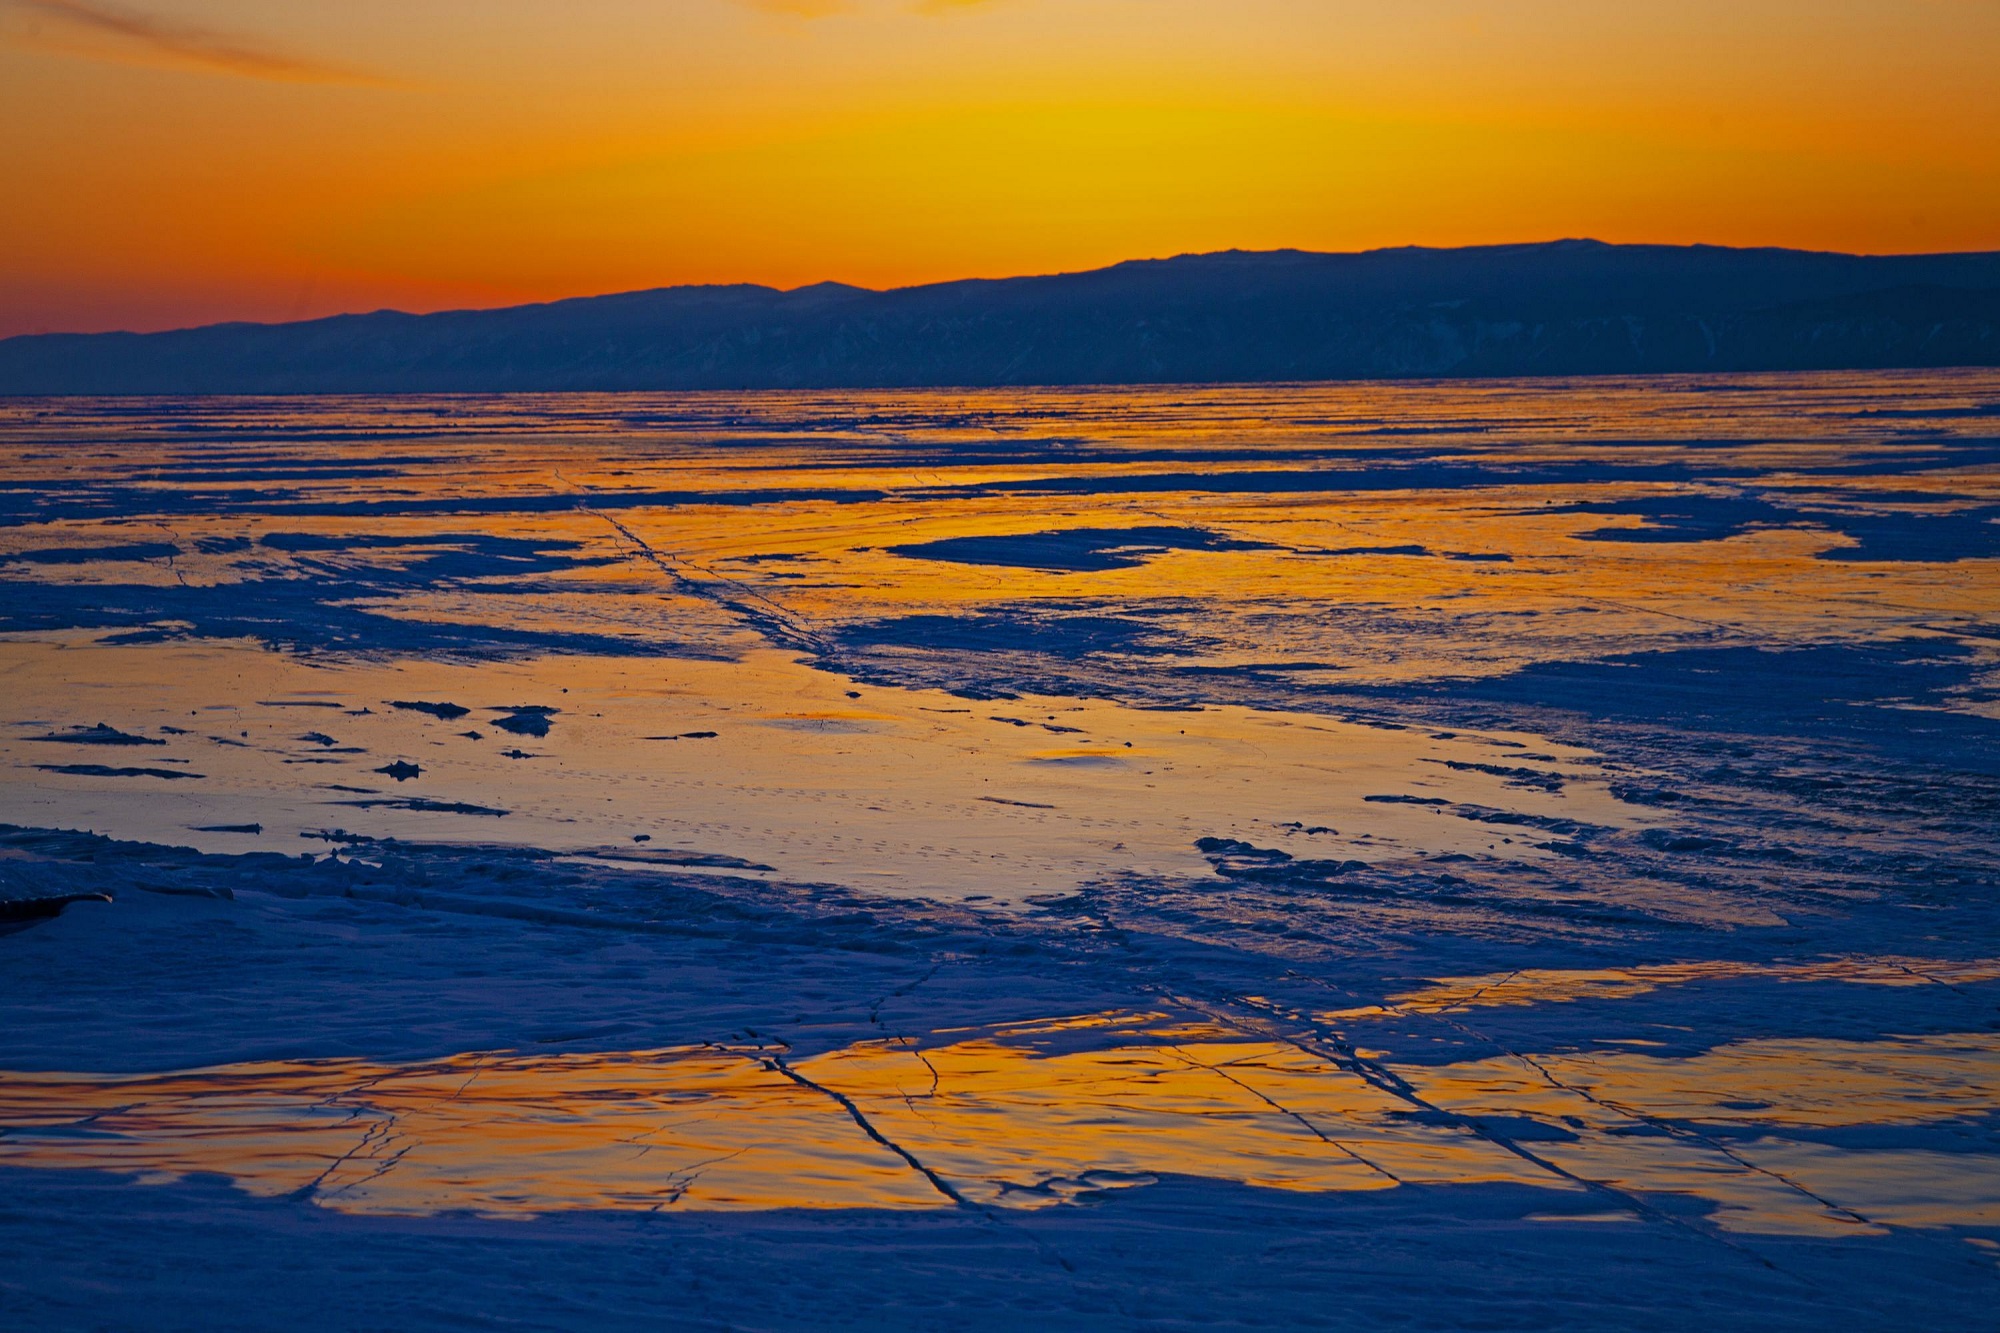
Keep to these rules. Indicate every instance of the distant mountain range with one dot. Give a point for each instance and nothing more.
(1561, 308)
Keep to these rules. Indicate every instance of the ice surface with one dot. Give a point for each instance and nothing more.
(1503, 855)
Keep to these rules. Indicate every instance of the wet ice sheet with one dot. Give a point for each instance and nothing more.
(1351, 535)
(1411, 793)
(758, 762)
(989, 1121)
(1536, 986)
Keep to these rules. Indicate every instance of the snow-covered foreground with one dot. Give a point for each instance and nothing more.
(1512, 855)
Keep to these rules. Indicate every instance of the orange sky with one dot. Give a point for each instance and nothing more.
(175, 161)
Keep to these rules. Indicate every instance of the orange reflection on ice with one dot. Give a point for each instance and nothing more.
(1020, 1130)
(1537, 985)
(705, 1128)
(764, 759)
(1033, 1114)
(488, 1133)
(1645, 1123)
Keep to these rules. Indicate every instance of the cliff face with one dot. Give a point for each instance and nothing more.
(1563, 308)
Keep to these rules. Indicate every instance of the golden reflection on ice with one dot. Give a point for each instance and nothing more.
(762, 758)
(1031, 1114)
(1647, 1123)
(715, 525)
(1538, 985)
(486, 1133)
(813, 521)
(692, 525)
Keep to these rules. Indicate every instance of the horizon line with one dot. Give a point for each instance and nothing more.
(980, 278)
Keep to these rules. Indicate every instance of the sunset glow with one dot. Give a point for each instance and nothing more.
(177, 161)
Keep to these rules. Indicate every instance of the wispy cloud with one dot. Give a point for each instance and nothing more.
(815, 9)
(122, 34)
(805, 9)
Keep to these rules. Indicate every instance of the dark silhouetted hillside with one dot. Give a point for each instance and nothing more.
(1562, 308)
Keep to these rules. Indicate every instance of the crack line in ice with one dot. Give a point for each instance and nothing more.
(1388, 1081)
(1309, 1126)
(375, 1133)
(776, 1064)
(1491, 985)
(1670, 1128)
(910, 1043)
(789, 633)
(1683, 1131)
(684, 1179)
(388, 1164)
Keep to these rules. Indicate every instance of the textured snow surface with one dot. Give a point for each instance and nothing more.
(1504, 856)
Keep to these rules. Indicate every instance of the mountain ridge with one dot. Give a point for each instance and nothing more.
(1570, 307)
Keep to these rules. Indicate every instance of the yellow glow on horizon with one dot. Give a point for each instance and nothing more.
(193, 159)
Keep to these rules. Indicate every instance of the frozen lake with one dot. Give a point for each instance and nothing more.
(1505, 854)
